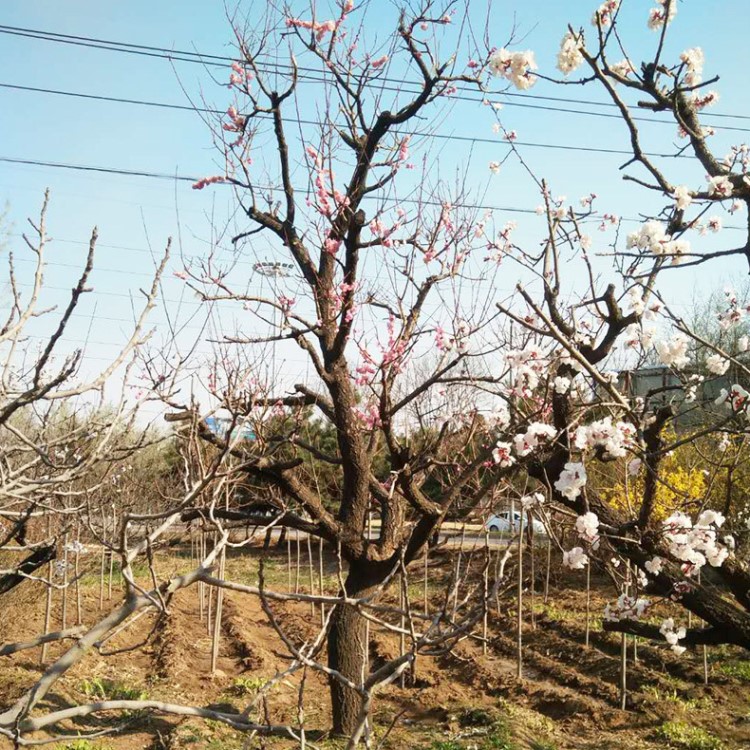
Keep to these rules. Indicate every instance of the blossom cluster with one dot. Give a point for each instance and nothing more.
(569, 58)
(652, 236)
(693, 60)
(458, 341)
(614, 438)
(736, 398)
(695, 544)
(527, 367)
(604, 14)
(575, 559)
(537, 434)
(515, 67)
(674, 352)
(587, 526)
(572, 480)
(732, 316)
(663, 14)
(626, 608)
(672, 635)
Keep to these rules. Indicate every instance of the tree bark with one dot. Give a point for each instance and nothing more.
(347, 647)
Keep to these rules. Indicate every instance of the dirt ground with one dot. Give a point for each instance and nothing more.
(469, 697)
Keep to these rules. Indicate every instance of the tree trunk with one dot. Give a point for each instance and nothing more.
(347, 649)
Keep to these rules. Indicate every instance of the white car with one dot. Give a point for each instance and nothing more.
(501, 522)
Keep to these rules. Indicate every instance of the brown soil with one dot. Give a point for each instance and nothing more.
(568, 697)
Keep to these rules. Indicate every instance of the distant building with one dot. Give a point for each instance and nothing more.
(660, 385)
(220, 426)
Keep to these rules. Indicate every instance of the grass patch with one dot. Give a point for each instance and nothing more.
(111, 690)
(678, 734)
(500, 738)
(738, 669)
(673, 697)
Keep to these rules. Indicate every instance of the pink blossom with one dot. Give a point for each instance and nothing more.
(403, 152)
(332, 246)
(204, 181)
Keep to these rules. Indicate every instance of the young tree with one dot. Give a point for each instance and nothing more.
(372, 253)
(364, 275)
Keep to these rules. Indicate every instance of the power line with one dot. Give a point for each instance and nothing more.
(302, 121)
(129, 248)
(270, 188)
(183, 178)
(304, 73)
(224, 59)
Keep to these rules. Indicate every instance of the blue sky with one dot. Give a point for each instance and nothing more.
(135, 216)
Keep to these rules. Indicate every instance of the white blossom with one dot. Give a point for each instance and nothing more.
(561, 384)
(575, 559)
(572, 480)
(673, 353)
(537, 434)
(501, 455)
(682, 197)
(587, 526)
(626, 608)
(534, 500)
(720, 186)
(717, 364)
(613, 438)
(672, 635)
(516, 67)
(658, 17)
(693, 59)
(569, 58)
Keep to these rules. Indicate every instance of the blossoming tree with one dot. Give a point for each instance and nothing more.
(365, 275)
(668, 552)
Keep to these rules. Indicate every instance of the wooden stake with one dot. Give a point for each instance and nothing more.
(588, 604)
(217, 617)
(320, 581)
(312, 574)
(549, 567)
(299, 562)
(519, 616)
(48, 603)
(402, 637)
(64, 614)
(79, 609)
(485, 593)
(289, 561)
